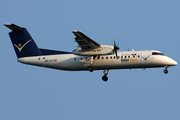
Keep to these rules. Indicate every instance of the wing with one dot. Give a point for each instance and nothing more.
(84, 41)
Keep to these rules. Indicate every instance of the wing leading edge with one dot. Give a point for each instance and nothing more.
(84, 41)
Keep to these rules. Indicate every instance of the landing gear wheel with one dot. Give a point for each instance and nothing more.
(91, 69)
(165, 71)
(105, 78)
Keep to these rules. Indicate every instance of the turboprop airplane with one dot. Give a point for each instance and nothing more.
(89, 56)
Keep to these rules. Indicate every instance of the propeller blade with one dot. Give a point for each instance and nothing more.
(115, 49)
(116, 54)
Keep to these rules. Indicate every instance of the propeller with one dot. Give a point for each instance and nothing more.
(115, 48)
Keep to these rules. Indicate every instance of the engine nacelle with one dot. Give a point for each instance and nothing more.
(103, 50)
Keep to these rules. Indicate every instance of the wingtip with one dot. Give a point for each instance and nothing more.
(7, 24)
(74, 31)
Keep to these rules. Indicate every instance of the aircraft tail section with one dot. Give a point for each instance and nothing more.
(22, 41)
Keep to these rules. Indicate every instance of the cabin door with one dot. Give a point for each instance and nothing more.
(139, 58)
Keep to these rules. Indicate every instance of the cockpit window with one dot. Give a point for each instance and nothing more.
(161, 54)
(156, 53)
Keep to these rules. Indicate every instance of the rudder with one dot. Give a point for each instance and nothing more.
(22, 41)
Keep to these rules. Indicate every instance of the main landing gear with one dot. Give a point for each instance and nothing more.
(166, 70)
(105, 78)
(90, 68)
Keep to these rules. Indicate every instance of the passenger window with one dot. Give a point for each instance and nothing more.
(102, 57)
(81, 58)
(125, 56)
(74, 58)
(138, 56)
(128, 56)
(111, 57)
(106, 57)
(118, 57)
(133, 56)
(121, 56)
(114, 57)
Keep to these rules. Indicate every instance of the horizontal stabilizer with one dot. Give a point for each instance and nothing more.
(13, 27)
(52, 52)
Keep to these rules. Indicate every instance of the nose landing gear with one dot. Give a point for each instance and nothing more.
(166, 70)
(105, 78)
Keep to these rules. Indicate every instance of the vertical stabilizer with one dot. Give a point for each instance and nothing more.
(22, 41)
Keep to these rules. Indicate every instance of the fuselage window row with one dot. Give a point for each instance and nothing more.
(111, 57)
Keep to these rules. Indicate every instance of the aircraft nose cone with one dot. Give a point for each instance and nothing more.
(173, 62)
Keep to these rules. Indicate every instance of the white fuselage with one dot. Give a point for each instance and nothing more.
(126, 60)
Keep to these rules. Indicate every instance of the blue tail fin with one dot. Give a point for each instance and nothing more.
(22, 41)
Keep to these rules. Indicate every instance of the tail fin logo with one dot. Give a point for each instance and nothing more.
(20, 47)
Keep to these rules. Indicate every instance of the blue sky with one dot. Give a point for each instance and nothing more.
(35, 93)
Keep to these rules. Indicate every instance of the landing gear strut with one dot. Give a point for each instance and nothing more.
(166, 70)
(105, 78)
(90, 68)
